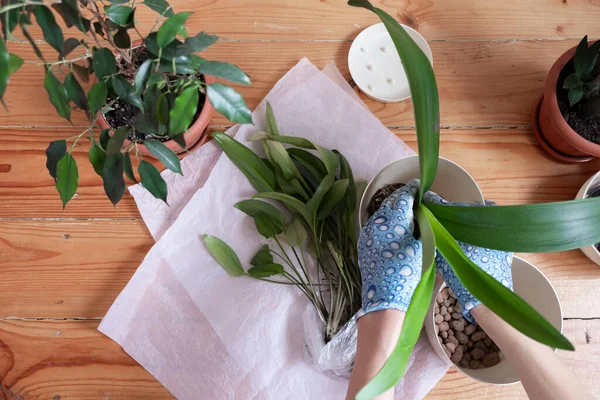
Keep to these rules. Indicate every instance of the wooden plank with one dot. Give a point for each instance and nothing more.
(583, 364)
(68, 360)
(480, 83)
(44, 359)
(68, 269)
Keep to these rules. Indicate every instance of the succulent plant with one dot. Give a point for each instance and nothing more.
(584, 83)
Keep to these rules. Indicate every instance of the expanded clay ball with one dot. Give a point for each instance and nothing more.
(466, 344)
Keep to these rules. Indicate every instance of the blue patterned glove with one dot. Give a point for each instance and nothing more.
(496, 263)
(389, 256)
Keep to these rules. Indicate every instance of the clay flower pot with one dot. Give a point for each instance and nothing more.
(194, 137)
(552, 131)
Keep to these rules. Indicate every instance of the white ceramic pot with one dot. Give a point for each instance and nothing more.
(592, 184)
(535, 289)
(451, 182)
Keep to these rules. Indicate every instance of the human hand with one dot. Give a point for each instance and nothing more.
(389, 256)
(498, 264)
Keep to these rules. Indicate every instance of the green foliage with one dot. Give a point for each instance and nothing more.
(268, 219)
(152, 181)
(165, 155)
(169, 29)
(229, 103)
(67, 178)
(4, 68)
(75, 92)
(128, 167)
(112, 176)
(119, 14)
(224, 255)
(182, 113)
(55, 151)
(58, 95)
(52, 32)
(104, 63)
(584, 83)
(97, 156)
(97, 97)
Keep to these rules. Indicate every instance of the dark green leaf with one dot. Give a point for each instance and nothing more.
(14, 63)
(97, 157)
(142, 76)
(183, 111)
(122, 39)
(115, 144)
(119, 14)
(280, 157)
(292, 186)
(152, 181)
(346, 173)
(268, 219)
(75, 92)
(183, 65)
(271, 122)
(224, 255)
(264, 271)
(332, 199)
(572, 81)
(97, 97)
(251, 165)
(169, 29)
(575, 95)
(70, 45)
(293, 204)
(58, 95)
(497, 297)
(160, 6)
(162, 110)
(4, 67)
(322, 189)
(126, 92)
(52, 32)
(9, 21)
(55, 151)
(104, 138)
(224, 70)
(24, 22)
(67, 178)
(104, 63)
(310, 162)
(164, 155)
(529, 228)
(262, 257)
(229, 103)
(128, 168)
(582, 61)
(423, 89)
(98, 28)
(112, 175)
(199, 42)
(69, 11)
(295, 233)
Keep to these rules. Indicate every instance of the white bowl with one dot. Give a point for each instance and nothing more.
(535, 289)
(593, 183)
(451, 182)
(376, 67)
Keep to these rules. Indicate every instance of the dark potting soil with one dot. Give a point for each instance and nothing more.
(124, 113)
(595, 192)
(586, 127)
(380, 196)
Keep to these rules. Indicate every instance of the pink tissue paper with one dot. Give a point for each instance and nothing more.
(206, 335)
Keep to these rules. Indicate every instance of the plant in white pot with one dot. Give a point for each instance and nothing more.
(524, 228)
(152, 96)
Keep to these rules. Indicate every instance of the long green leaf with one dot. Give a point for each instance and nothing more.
(295, 233)
(251, 165)
(266, 270)
(141, 77)
(268, 219)
(67, 178)
(424, 92)
(160, 6)
(75, 92)
(104, 63)
(52, 32)
(262, 256)
(119, 14)
(224, 70)
(97, 157)
(128, 167)
(290, 202)
(224, 255)
(183, 111)
(165, 155)
(112, 176)
(280, 157)
(54, 153)
(152, 181)
(310, 162)
(126, 92)
(322, 189)
(497, 297)
(169, 29)
(58, 95)
(229, 103)
(116, 141)
(529, 228)
(272, 128)
(97, 97)
(332, 198)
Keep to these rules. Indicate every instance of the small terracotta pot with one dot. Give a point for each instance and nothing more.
(552, 131)
(194, 135)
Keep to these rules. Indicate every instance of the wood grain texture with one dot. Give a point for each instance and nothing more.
(480, 83)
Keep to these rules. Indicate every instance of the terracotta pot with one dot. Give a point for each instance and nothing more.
(551, 129)
(194, 137)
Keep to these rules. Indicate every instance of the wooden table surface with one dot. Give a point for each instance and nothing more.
(61, 270)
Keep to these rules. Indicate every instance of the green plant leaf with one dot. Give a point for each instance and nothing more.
(52, 32)
(126, 92)
(58, 95)
(164, 155)
(160, 6)
(224, 70)
(4, 67)
(112, 176)
(575, 95)
(295, 233)
(199, 42)
(97, 97)
(122, 39)
(528, 228)
(9, 21)
(572, 81)
(424, 92)
(272, 128)
(115, 144)
(67, 178)
(262, 257)
(332, 199)
(142, 76)
(69, 11)
(251, 165)
(104, 138)
(14, 63)
(162, 109)
(224, 255)
(152, 181)
(322, 189)
(128, 167)
(266, 270)
(280, 157)
(182, 65)
(169, 29)
(104, 63)
(119, 14)
(292, 186)
(293, 204)
(229, 103)
(346, 173)
(55, 151)
(183, 111)
(75, 92)
(97, 157)
(498, 298)
(310, 162)
(585, 58)
(268, 219)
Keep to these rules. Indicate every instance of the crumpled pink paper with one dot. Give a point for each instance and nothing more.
(206, 335)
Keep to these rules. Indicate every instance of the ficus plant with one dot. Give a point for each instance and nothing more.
(317, 187)
(524, 228)
(162, 80)
(584, 83)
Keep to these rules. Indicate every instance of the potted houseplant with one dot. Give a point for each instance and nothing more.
(567, 118)
(152, 96)
(525, 228)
